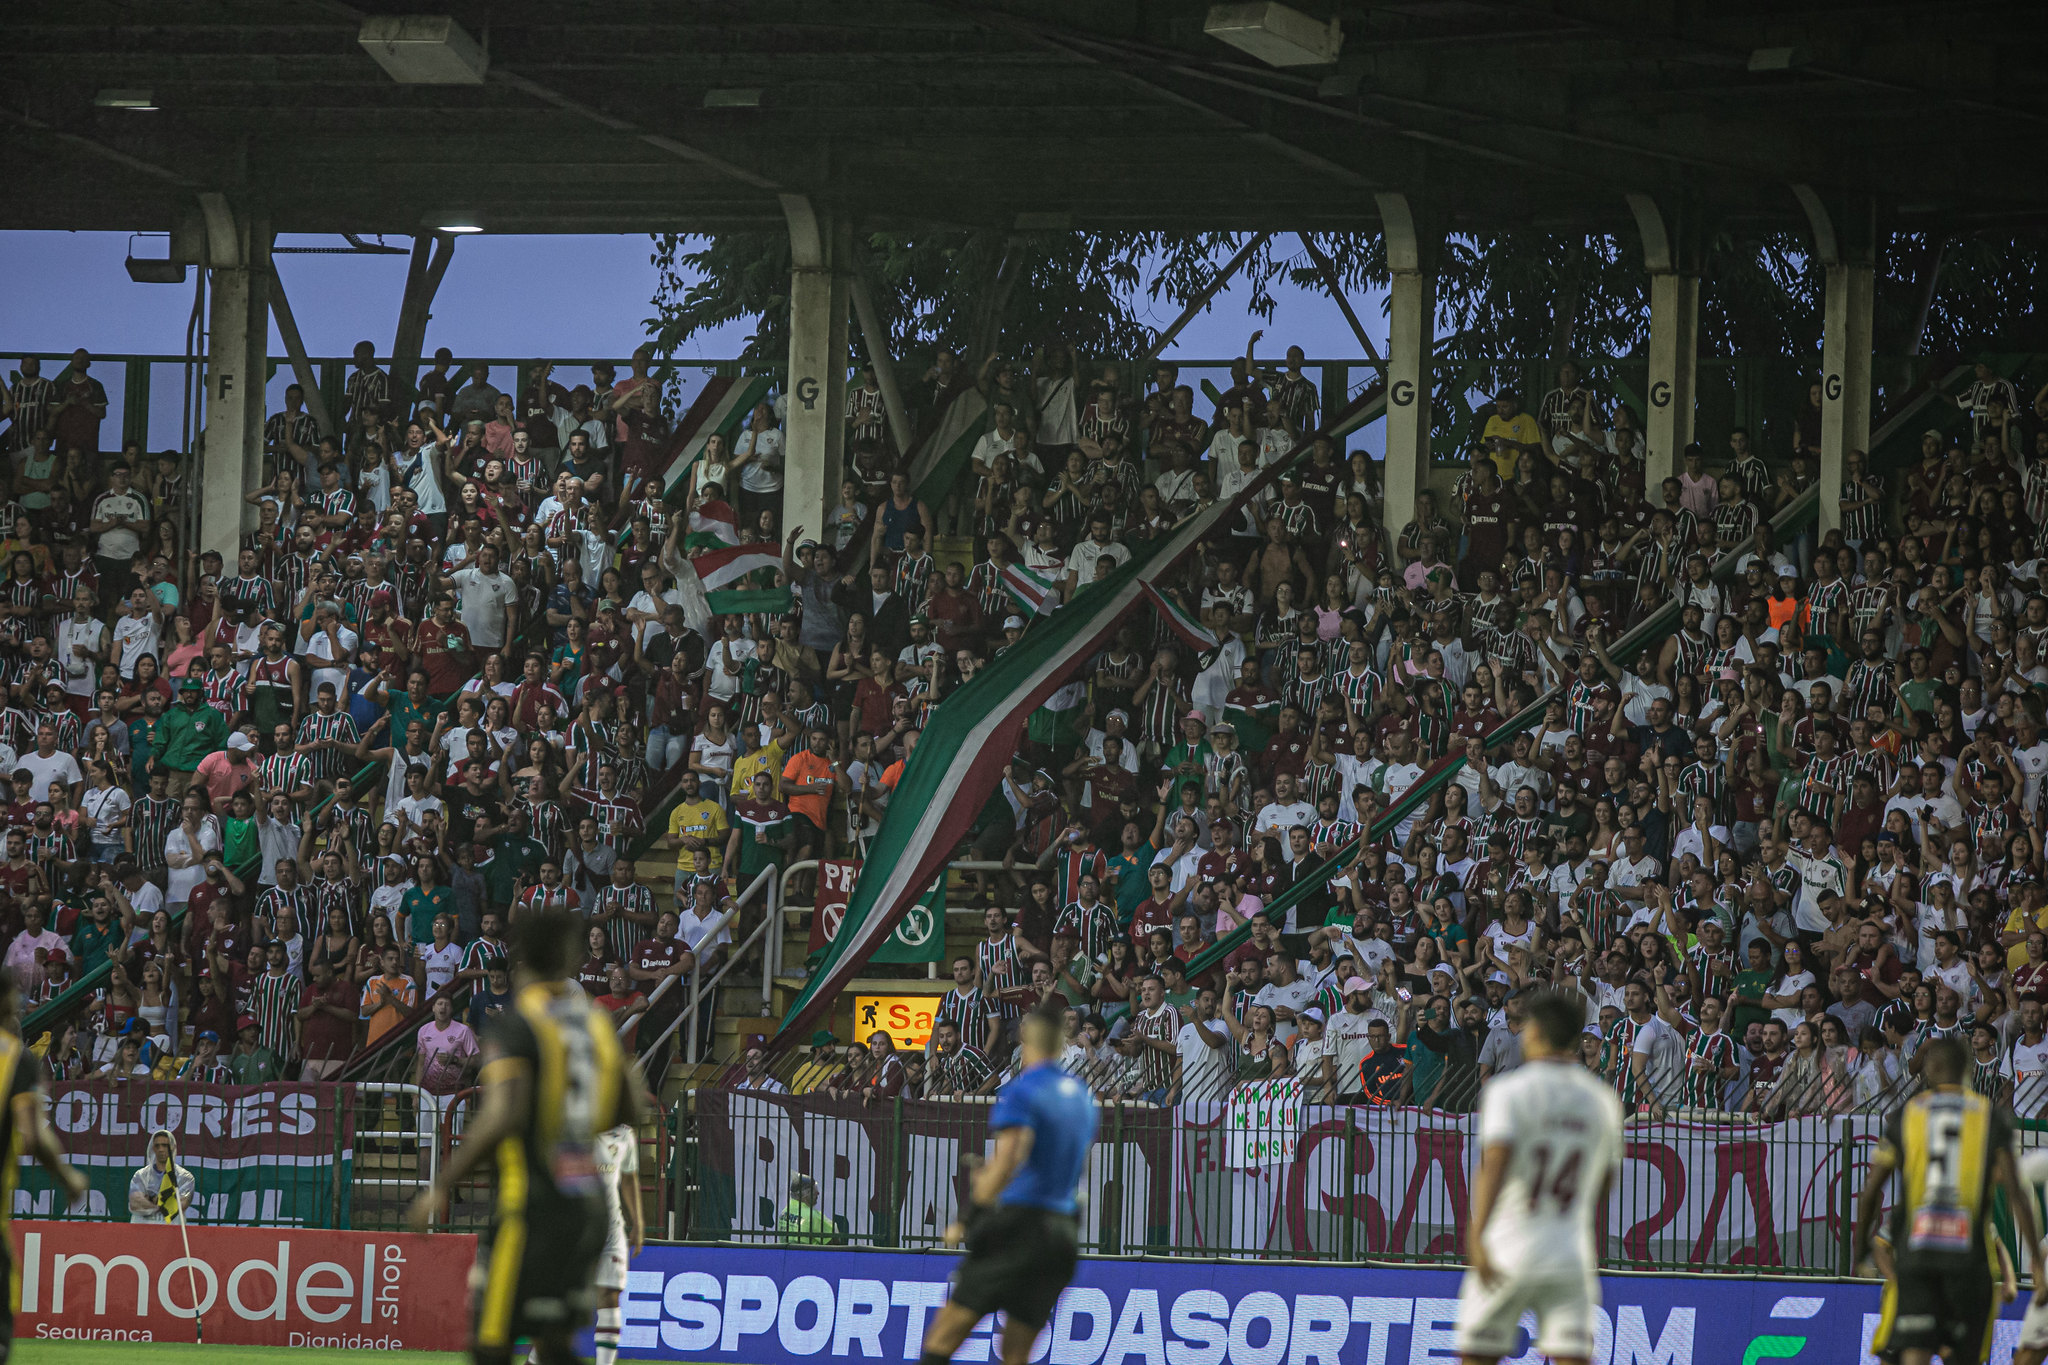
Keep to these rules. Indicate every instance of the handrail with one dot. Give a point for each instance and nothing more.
(771, 920)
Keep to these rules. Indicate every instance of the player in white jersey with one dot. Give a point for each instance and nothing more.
(1549, 1140)
(2032, 1348)
(617, 1154)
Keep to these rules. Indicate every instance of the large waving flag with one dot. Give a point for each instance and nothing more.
(722, 406)
(972, 735)
(1033, 592)
(1192, 632)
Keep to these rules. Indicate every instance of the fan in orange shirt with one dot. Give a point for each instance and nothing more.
(808, 782)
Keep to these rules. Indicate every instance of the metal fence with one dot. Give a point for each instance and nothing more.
(1270, 1170)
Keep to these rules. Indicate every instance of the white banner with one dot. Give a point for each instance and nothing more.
(1263, 1123)
(1289, 1178)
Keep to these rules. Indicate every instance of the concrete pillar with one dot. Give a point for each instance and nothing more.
(237, 365)
(1674, 342)
(815, 437)
(1411, 342)
(1845, 379)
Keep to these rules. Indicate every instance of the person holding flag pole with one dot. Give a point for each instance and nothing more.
(161, 1192)
(24, 1131)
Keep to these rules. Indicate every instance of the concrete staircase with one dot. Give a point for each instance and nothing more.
(740, 1013)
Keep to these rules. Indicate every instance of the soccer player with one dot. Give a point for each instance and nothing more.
(1549, 1140)
(2032, 1347)
(1022, 1242)
(1951, 1147)
(555, 1081)
(24, 1129)
(618, 1166)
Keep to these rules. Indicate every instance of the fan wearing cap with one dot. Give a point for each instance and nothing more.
(227, 771)
(251, 1062)
(186, 734)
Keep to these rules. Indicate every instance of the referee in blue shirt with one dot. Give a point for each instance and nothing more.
(1022, 1240)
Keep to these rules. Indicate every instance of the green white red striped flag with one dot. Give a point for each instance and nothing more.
(1196, 635)
(724, 568)
(973, 734)
(721, 406)
(713, 526)
(1033, 592)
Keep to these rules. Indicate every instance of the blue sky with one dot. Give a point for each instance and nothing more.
(503, 296)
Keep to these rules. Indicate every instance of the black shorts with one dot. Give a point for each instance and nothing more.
(533, 1278)
(1018, 1260)
(1951, 1311)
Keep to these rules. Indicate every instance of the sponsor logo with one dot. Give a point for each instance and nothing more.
(326, 1289)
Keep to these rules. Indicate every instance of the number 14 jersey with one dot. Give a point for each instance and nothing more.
(1563, 1126)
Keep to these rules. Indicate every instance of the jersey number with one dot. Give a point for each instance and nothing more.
(1563, 1187)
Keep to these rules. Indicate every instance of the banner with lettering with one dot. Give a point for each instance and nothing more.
(1262, 1120)
(268, 1155)
(920, 937)
(1315, 1180)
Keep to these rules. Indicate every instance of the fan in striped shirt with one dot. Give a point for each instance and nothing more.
(964, 1006)
(328, 737)
(626, 910)
(153, 818)
(274, 1000)
(367, 388)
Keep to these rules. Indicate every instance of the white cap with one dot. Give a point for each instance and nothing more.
(1013, 623)
(240, 742)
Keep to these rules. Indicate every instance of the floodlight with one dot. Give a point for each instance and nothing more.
(1776, 59)
(749, 98)
(457, 223)
(141, 101)
(423, 49)
(1278, 35)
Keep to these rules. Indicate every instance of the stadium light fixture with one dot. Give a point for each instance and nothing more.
(1776, 59)
(423, 49)
(154, 269)
(1276, 34)
(748, 98)
(459, 224)
(139, 101)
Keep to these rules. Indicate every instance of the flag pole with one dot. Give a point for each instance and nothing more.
(191, 1277)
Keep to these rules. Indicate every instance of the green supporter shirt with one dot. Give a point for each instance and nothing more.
(404, 712)
(512, 856)
(1133, 888)
(258, 1066)
(91, 943)
(424, 906)
(772, 821)
(186, 736)
(1919, 695)
(1755, 985)
(238, 844)
(142, 740)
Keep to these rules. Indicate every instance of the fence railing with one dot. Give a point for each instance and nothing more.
(1264, 1169)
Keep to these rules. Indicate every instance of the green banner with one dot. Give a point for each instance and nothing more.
(268, 1155)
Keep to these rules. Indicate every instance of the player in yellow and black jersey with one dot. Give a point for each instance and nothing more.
(1951, 1148)
(23, 1132)
(554, 1079)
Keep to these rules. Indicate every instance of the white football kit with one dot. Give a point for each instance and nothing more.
(2034, 1327)
(1563, 1126)
(617, 1153)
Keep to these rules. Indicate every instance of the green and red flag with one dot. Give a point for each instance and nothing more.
(1197, 636)
(974, 733)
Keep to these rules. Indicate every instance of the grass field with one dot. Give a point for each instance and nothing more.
(33, 1352)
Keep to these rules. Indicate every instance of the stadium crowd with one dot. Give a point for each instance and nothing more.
(456, 670)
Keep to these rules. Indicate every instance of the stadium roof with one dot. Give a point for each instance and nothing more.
(639, 115)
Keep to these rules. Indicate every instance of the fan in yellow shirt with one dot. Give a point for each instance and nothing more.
(1510, 433)
(696, 830)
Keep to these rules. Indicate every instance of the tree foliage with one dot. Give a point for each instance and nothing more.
(1523, 293)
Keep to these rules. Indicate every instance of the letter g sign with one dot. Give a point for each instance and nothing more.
(807, 392)
(1403, 393)
(1833, 387)
(1660, 394)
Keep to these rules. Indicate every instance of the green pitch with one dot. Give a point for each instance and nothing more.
(30, 1351)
